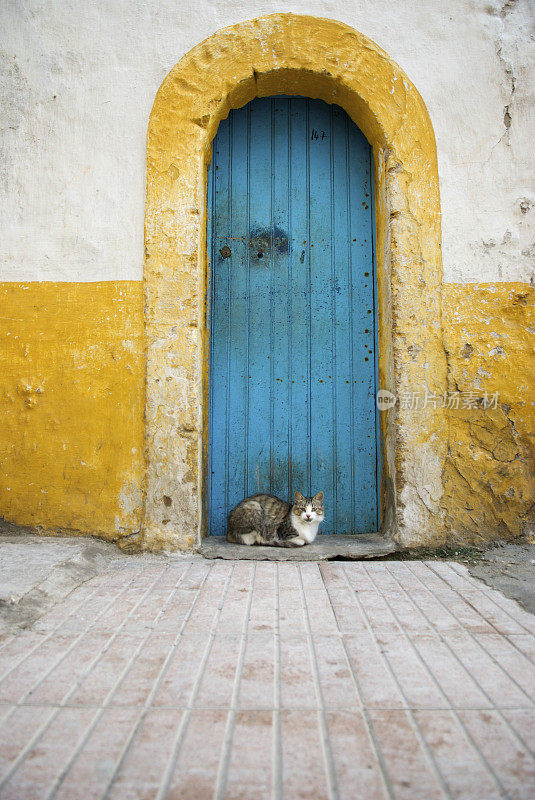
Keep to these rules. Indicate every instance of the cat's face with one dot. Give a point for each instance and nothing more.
(308, 509)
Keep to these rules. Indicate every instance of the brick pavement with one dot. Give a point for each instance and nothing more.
(193, 679)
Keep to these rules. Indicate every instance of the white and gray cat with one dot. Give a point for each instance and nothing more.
(262, 519)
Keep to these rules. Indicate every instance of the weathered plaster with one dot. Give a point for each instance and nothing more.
(489, 476)
(71, 405)
(78, 80)
(76, 87)
(285, 53)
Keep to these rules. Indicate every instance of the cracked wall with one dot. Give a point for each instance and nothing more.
(489, 475)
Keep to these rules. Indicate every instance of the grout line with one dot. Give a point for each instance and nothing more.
(15, 764)
(198, 707)
(222, 772)
(276, 786)
(131, 663)
(508, 637)
(49, 635)
(406, 705)
(364, 709)
(33, 741)
(495, 708)
(175, 750)
(469, 632)
(486, 594)
(328, 761)
(152, 693)
(439, 687)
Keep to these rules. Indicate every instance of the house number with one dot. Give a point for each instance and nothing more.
(318, 134)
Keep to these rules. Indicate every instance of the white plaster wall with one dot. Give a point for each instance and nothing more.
(78, 80)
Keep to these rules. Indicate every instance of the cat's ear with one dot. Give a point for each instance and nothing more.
(319, 497)
(298, 498)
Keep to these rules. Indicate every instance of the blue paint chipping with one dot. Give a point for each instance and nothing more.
(291, 312)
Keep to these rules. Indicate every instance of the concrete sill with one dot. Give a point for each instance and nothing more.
(355, 548)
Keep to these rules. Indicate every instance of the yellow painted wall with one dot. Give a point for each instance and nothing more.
(489, 479)
(71, 406)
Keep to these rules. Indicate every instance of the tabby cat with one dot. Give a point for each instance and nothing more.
(262, 519)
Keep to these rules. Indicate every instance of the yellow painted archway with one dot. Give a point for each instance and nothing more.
(325, 59)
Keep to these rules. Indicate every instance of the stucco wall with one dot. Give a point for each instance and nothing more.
(79, 80)
(77, 85)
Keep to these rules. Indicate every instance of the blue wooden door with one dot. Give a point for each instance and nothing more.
(291, 312)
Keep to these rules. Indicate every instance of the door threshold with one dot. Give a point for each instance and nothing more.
(325, 548)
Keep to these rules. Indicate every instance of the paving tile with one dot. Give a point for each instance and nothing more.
(377, 687)
(419, 688)
(379, 615)
(23, 678)
(206, 606)
(17, 729)
(521, 720)
(409, 769)
(219, 676)
(35, 776)
(17, 648)
(410, 641)
(526, 619)
(105, 673)
(257, 676)
(464, 773)
(93, 767)
(146, 614)
(196, 575)
(297, 684)
(357, 767)
(491, 612)
(511, 762)
(449, 673)
(71, 670)
(250, 766)
(195, 774)
(302, 763)
(177, 683)
(176, 611)
(112, 619)
(144, 766)
(408, 614)
(515, 664)
(444, 609)
(234, 610)
(525, 642)
(262, 613)
(360, 575)
(318, 602)
(492, 679)
(140, 679)
(336, 682)
(82, 616)
(291, 612)
(346, 609)
(71, 607)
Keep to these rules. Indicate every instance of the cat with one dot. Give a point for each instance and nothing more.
(262, 519)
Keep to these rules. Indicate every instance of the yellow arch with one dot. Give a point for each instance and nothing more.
(319, 58)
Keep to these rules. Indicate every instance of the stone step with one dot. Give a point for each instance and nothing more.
(366, 545)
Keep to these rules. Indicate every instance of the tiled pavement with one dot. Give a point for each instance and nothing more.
(245, 680)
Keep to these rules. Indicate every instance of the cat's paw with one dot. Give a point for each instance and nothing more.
(297, 541)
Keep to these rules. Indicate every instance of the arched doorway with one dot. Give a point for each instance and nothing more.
(291, 312)
(316, 58)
